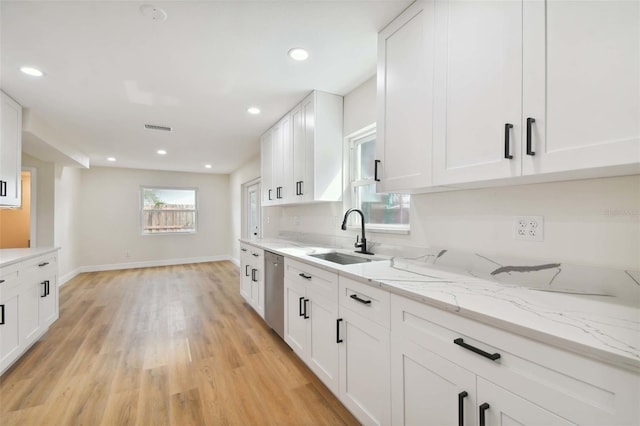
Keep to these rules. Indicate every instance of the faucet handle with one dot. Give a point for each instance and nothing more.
(358, 242)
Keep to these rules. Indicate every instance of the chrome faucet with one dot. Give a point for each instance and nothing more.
(360, 243)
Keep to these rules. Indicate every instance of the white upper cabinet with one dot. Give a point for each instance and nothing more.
(405, 100)
(10, 151)
(302, 160)
(478, 90)
(583, 89)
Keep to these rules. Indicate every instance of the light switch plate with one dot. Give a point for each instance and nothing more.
(530, 228)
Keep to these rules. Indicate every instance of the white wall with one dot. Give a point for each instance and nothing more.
(45, 199)
(66, 230)
(590, 222)
(246, 173)
(109, 219)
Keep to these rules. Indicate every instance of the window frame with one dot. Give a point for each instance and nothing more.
(351, 142)
(142, 210)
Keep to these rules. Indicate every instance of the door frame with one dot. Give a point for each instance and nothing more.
(245, 208)
(33, 219)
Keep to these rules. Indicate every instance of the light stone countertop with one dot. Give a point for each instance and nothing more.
(603, 327)
(11, 256)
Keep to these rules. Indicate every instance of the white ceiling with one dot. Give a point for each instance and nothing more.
(109, 70)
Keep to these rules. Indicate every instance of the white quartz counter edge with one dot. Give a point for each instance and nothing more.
(11, 256)
(590, 326)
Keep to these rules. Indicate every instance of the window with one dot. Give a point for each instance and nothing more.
(382, 212)
(168, 210)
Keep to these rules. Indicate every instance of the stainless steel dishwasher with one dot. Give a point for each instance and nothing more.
(274, 292)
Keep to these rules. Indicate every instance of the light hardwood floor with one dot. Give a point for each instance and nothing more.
(170, 345)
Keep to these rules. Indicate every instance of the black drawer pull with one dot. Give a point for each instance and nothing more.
(338, 339)
(530, 121)
(1, 281)
(355, 297)
(305, 276)
(243, 249)
(460, 342)
(461, 396)
(507, 143)
(300, 301)
(484, 407)
(43, 264)
(2, 314)
(305, 309)
(255, 254)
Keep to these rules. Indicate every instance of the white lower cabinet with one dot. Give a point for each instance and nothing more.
(311, 312)
(28, 305)
(252, 277)
(507, 379)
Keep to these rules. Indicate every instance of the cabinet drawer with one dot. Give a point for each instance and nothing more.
(39, 267)
(575, 387)
(370, 302)
(9, 277)
(318, 281)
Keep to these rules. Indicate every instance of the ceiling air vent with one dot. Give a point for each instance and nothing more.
(155, 127)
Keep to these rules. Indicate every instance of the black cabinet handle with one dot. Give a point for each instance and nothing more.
(461, 396)
(278, 192)
(483, 408)
(300, 306)
(255, 254)
(43, 264)
(243, 249)
(530, 121)
(246, 270)
(270, 195)
(253, 275)
(2, 314)
(305, 276)
(375, 170)
(301, 183)
(1, 281)
(3, 188)
(460, 342)
(338, 339)
(507, 144)
(44, 289)
(305, 308)
(47, 287)
(355, 297)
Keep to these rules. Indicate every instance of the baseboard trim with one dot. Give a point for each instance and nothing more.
(152, 263)
(62, 280)
(234, 261)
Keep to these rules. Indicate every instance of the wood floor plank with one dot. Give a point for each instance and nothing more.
(172, 345)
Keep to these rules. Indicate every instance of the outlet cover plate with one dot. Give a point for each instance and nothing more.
(529, 228)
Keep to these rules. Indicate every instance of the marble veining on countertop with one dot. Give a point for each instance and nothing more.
(11, 256)
(591, 311)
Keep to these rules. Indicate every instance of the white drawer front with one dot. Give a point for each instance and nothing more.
(319, 282)
(370, 302)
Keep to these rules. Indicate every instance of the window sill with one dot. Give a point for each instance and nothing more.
(382, 230)
(146, 234)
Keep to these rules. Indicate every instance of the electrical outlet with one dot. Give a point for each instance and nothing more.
(530, 228)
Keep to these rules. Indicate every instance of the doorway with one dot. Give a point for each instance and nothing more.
(252, 210)
(17, 225)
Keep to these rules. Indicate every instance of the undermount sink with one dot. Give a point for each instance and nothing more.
(341, 258)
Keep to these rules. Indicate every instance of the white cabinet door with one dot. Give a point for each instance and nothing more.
(245, 274)
(282, 161)
(583, 89)
(48, 302)
(427, 389)
(500, 407)
(10, 151)
(405, 99)
(302, 143)
(322, 352)
(478, 90)
(266, 159)
(295, 325)
(364, 368)
(9, 333)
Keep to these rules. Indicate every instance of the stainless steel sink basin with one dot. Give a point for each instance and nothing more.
(341, 258)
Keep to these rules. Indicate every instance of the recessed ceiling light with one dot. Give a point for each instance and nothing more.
(112, 159)
(298, 53)
(207, 166)
(34, 72)
(253, 110)
(153, 13)
(161, 152)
